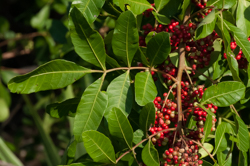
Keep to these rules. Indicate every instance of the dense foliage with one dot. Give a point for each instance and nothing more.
(171, 78)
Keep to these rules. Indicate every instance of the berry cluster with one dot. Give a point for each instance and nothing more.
(183, 154)
(242, 61)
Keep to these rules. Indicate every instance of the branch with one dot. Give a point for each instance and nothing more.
(25, 36)
(164, 103)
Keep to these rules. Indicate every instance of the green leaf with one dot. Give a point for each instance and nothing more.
(240, 38)
(242, 159)
(208, 147)
(65, 108)
(207, 25)
(145, 89)
(220, 140)
(7, 155)
(4, 94)
(120, 94)
(159, 4)
(4, 110)
(136, 6)
(184, 8)
(150, 155)
(207, 127)
(52, 75)
(207, 110)
(224, 94)
(90, 109)
(125, 40)
(120, 127)
(112, 62)
(222, 157)
(219, 3)
(88, 43)
(169, 8)
(242, 135)
(205, 163)
(58, 31)
(228, 16)
(232, 62)
(89, 8)
(38, 21)
(158, 48)
(149, 36)
(138, 135)
(147, 117)
(242, 16)
(98, 146)
(174, 57)
(161, 18)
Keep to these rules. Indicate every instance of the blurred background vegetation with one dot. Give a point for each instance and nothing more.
(31, 34)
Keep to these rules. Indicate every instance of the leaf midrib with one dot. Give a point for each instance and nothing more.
(101, 149)
(121, 129)
(221, 95)
(91, 47)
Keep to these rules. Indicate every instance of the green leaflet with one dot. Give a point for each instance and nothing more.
(90, 110)
(125, 41)
(98, 146)
(52, 75)
(88, 43)
(145, 89)
(89, 8)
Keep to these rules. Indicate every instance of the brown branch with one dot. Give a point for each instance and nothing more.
(25, 36)
(190, 80)
(133, 148)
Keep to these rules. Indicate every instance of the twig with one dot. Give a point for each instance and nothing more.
(25, 36)
(233, 108)
(133, 148)
(199, 144)
(214, 82)
(164, 103)
(190, 80)
(195, 13)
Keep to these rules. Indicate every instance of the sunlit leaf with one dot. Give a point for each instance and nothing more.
(150, 155)
(224, 94)
(120, 127)
(120, 94)
(147, 117)
(98, 146)
(125, 40)
(243, 135)
(89, 8)
(52, 75)
(158, 48)
(88, 43)
(145, 89)
(90, 110)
